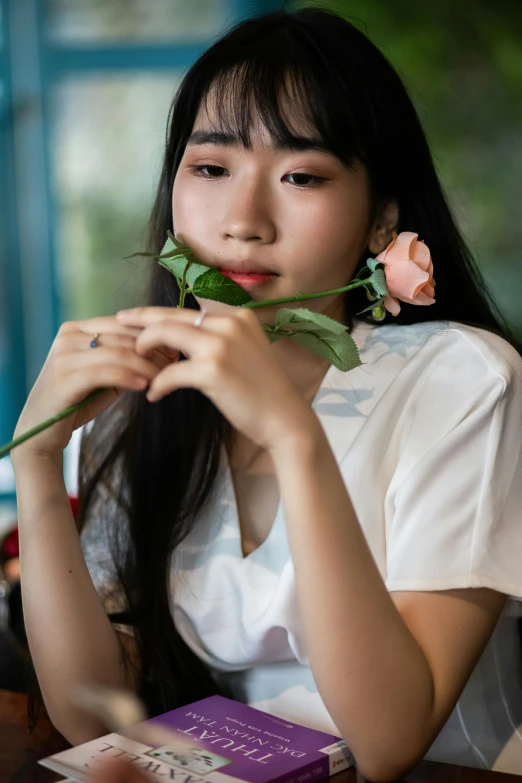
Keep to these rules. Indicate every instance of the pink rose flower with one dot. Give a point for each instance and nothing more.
(408, 269)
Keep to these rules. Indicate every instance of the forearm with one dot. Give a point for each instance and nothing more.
(70, 637)
(370, 671)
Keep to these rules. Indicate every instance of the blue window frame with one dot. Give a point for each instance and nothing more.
(29, 65)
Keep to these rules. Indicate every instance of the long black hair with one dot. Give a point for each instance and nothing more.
(168, 452)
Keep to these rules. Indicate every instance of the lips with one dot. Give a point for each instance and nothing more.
(236, 272)
(245, 268)
(251, 280)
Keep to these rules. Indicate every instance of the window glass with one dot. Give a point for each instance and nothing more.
(85, 21)
(107, 144)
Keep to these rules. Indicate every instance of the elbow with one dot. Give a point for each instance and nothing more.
(78, 733)
(383, 773)
(388, 752)
(386, 757)
(76, 727)
(386, 767)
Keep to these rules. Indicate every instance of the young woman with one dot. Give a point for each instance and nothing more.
(341, 549)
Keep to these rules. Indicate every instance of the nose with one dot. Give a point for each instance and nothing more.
(249, 211)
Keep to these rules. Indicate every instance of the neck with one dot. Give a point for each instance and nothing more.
(306, 369)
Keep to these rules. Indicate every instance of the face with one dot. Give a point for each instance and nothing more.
(301, 214)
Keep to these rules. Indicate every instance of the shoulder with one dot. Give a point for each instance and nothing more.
(470, 363)
(428, 377)
(465, 392)
(440, 348)
(494, 353)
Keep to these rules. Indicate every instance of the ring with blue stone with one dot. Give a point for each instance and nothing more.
(94, 341)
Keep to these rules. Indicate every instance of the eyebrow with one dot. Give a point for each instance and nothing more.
(221, 139)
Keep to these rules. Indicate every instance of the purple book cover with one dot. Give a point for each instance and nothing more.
(215, 740)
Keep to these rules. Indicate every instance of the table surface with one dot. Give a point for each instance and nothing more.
(20, 751)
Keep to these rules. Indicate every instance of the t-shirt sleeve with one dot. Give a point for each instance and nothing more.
(457, 504)
(106, 523)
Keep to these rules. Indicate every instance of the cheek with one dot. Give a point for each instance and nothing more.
(342, 215)
(191, 209)
(331, 231)
(341, 222)
(326, 229)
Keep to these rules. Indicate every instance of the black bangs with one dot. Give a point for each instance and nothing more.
(285, 102)
(280, 79)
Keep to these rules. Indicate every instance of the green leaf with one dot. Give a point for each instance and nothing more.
(339, 349)
(300, 318)
(378, 281)
(378, 278)
(175, 261)
(376, 303)
(318, 333)
(184, 250)
(372, 263)
(176, 266)
(206, 282)
(172, 248)
(133, 255)
(214, 285)
(363, 272)
(274, 336)
(313, 331)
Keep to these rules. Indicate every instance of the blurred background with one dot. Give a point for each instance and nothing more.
(85, 88)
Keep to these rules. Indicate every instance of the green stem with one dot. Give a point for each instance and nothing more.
(49, 422)
(183, 289)
(4, 450)
(302, 297)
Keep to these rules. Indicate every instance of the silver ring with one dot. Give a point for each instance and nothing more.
(199, 319)
(94, 341)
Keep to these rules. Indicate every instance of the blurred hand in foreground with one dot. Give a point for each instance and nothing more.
(118, 771)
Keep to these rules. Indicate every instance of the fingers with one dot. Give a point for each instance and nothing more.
(114, 363)
(78, 340)
(81, 341)
(175, 336)
(99, 324)
(118, 363)
(75, 337)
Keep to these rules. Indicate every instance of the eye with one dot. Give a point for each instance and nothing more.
(213, 172)
(301, 179)
(310, 180)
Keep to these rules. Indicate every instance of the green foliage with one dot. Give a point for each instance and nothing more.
(314, 331)
(378, 279)
(100, 281)
(462, 65)
(214, 285)
(317, 333)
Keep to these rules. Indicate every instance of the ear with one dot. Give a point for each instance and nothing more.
(383, 227)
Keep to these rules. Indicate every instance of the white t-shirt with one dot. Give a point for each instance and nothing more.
(427, 434)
